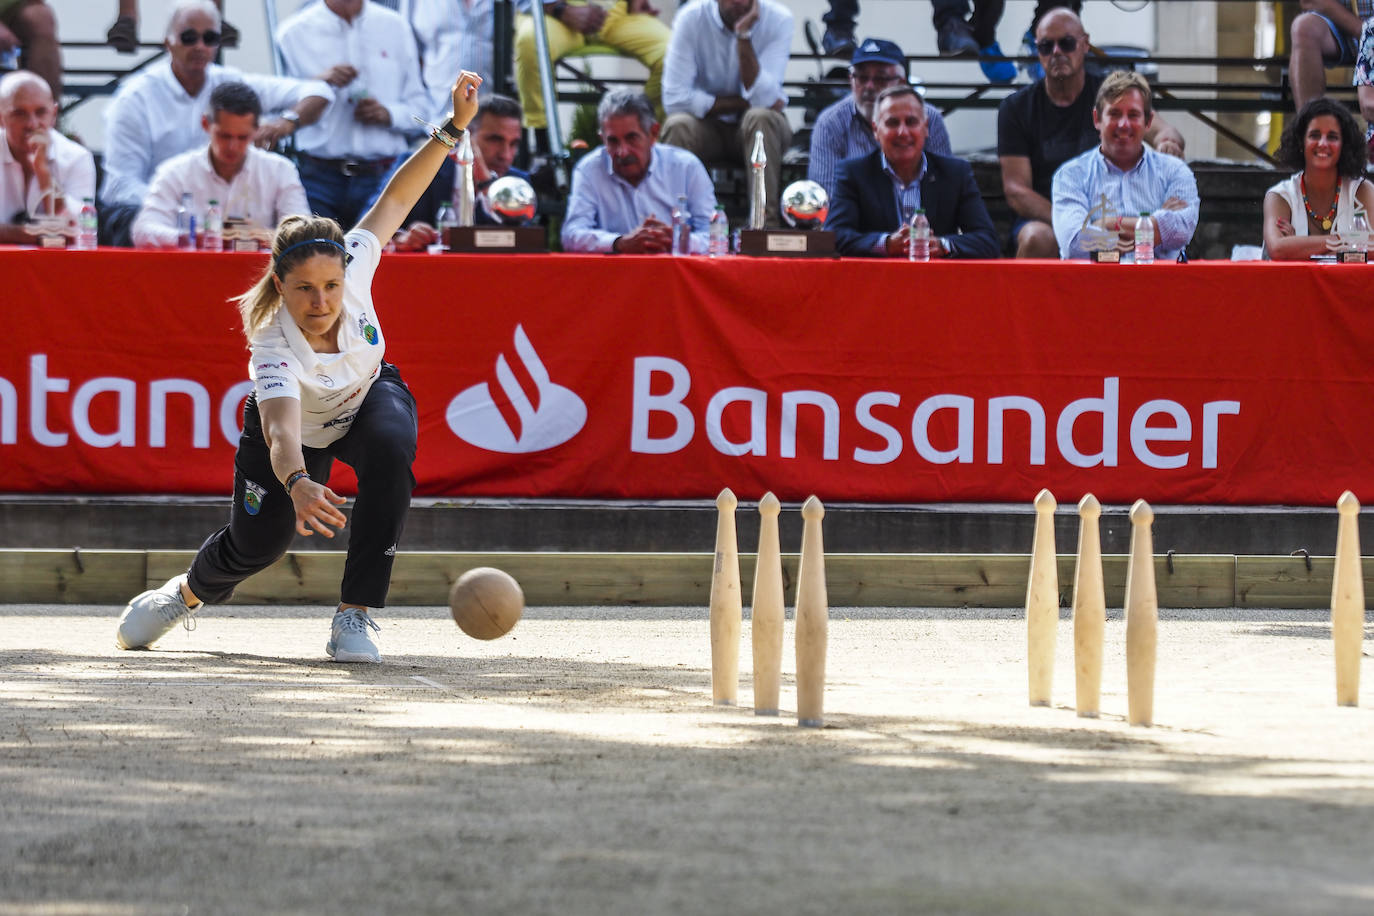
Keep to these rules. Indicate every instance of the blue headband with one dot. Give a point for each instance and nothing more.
(291, 248)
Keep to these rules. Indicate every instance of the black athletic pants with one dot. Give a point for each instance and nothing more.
(380, 447)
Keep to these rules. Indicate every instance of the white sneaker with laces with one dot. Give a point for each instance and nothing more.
(348, 637)
(150, 616)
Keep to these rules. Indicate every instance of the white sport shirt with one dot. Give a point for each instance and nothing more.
(330, 386)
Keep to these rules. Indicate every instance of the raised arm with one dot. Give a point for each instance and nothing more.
(411, 179)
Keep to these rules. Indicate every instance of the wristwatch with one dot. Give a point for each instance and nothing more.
(293, 116)
(745, 35)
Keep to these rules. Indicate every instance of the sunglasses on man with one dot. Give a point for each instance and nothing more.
(1045, 46)
(189, 37)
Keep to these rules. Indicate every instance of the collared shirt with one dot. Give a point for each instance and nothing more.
(330, 386)
(603, 206)
(71, 166)
(153, 118)
(453, 35)
(908, 196)
(703, 60)
(265, 189)
(1081, 183)
(842, 132)
(380, 46)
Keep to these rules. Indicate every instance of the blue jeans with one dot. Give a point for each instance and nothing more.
(341, 197)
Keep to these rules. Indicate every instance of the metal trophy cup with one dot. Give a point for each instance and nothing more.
(1101, 244)
(1351, 246)
(805, 206)
(512, 201)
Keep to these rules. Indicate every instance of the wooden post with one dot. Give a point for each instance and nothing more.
(1142, 618)
(767, 613)
(812, 618)
(1347, 602)
(727, 609)
(1042, 602)
(1089, 610)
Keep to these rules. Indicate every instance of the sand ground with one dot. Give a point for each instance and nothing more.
(576, 766)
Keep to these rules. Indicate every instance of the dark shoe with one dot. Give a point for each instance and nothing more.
(997, 71)
(836, 43)
(955, 39)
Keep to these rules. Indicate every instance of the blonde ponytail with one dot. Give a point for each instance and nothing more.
(259, 305)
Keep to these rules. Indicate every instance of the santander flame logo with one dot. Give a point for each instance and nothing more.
(525, 415)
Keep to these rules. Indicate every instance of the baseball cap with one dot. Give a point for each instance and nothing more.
(878, 49)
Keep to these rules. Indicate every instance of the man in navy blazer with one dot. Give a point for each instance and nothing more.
(875, 194)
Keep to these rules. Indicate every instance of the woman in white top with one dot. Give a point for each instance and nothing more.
(1325, 148)
(321, 391)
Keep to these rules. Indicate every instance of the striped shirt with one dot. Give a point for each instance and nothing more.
(1081, 183)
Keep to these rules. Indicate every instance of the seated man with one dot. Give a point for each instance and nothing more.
(624, 192)
(1131, 177)
(629, 26)
(720, 49)
(845, 129)
(875, 193)
(254, 188)
(41, 171)
(368, 54)
(453, 35)
(157, 114)
(495, 144)
(1045, 124)
(1325, 34)
(30, 26)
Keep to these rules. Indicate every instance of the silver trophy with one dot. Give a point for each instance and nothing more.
(464, 195)
(512, 200)
(1101, 244)
(758, 191)
(805, 205)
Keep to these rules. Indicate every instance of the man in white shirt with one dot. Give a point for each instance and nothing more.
(368, 55)
(723, 82)
(254, 188)
(624, 191)
(157, 114)
(453, 35)
(41, 171)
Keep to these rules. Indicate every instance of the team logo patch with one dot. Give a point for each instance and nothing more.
(252, 497)
(368, 332)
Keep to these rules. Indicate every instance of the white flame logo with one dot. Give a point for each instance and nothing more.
(555, 416)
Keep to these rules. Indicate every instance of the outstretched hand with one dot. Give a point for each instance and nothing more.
(465, 98)
(315, 508)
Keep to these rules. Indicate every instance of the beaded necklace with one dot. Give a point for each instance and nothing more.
(1324, 221)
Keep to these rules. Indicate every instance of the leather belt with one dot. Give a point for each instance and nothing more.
(353, 167)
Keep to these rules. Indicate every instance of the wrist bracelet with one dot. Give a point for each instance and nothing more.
(293, 477)
(452, 129)
(438, 136)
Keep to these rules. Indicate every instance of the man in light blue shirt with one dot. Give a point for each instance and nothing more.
(624, 192)
(1129, 176)
(722, 81)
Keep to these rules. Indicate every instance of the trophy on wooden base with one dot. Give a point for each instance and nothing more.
(1103, 245)
(805, 206)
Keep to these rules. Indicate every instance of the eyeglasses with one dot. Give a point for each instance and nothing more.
(189, 37)
(1068, 44)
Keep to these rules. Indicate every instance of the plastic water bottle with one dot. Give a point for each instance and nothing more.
(186, 224)
(919, 238)
(719, 242)
(447, 218)
(87, 226)
(214, 227)
(682, 228)
(1359, 227)
(1144, 239)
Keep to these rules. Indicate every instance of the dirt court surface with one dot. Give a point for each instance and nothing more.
(576, 766)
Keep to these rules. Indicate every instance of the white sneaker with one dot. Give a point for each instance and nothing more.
(152, 614)
(348, 639)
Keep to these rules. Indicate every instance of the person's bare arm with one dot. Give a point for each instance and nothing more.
(1016, 184)
(315, 504)
(1164, 137)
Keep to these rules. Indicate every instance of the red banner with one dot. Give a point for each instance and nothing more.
(642, 377)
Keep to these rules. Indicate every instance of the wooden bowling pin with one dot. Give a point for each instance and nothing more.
(727, 608)
(767, 613)
(1089, 610)
(1142, 618)
(1347, 602)
(1042, 602)
(812, 618)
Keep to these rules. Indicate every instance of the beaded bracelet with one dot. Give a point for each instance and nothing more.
(294, 476)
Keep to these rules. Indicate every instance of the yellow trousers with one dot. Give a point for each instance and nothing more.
(641, 36)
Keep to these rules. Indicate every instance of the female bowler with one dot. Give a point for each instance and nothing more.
(321, 390)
